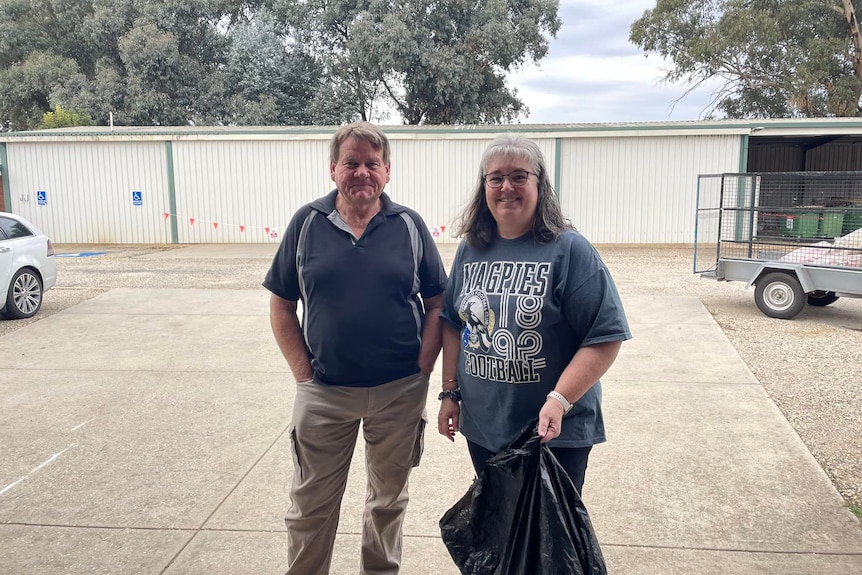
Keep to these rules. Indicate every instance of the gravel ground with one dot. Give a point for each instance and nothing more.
(810, 365)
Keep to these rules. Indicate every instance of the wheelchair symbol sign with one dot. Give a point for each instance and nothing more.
(42, 198)
(137, 198)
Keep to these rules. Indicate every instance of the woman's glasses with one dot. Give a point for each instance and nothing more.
(516, 178)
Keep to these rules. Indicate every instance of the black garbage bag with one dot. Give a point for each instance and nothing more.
(522, 516)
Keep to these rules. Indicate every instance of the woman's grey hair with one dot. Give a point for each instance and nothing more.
(478, 226)
(361, 131)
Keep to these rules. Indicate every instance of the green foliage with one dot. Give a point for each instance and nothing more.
(269, 82)
(61, 118)
(435, 61)
(177, 62)
(25, 87)
(773, 59)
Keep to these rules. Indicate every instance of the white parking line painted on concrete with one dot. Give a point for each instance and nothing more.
(37, 468)
(11, 485)
(79, 426)
(50, 459)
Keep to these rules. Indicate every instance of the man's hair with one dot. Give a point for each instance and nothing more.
(478, 226)
(365, 131)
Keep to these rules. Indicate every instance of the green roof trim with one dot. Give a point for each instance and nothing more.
(558, 160)
(172, 192)
(170, 132)
(743, 153)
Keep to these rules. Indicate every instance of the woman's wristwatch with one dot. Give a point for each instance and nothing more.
(567, 407)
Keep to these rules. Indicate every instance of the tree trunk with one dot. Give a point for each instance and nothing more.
(850, 16)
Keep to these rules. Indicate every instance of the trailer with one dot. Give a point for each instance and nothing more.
(795, 236)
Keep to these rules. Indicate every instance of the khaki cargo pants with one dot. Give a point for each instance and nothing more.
(323, 435)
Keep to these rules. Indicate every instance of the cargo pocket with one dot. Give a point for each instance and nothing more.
(296, 453)
(419, 442)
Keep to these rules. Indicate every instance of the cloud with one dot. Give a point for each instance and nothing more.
(595, 29)
(594, 74)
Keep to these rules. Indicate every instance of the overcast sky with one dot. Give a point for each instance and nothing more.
(592, 73)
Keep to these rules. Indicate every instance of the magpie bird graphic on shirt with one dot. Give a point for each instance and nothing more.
(501, 309)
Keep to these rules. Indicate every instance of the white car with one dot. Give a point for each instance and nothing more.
(27, 266)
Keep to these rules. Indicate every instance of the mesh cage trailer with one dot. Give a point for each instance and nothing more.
(795, 236)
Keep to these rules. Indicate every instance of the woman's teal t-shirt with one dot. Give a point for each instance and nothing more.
(523, 309)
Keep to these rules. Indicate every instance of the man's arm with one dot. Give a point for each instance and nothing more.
(432, 334)
(288, 334)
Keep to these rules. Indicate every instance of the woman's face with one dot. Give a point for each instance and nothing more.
(513, 206)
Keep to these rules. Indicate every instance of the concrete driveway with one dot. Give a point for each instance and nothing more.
(143, 431)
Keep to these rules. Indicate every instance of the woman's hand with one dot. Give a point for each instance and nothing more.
(550, 420)
(448, 419)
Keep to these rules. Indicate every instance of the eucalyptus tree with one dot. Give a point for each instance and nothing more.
(173, 62)
(41, 44)
(164, 62)
(770, 58)
(271, 79)
(144, 62)
(433, 61)
(325, 28)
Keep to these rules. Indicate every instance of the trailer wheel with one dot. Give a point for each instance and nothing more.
(822, 298)
(779, 295)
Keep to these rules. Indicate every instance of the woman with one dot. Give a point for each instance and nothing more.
(532, 317)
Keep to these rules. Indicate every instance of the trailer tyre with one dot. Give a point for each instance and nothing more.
(779, 295)
(822, 298)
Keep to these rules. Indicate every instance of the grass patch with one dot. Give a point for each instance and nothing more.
(857, 511)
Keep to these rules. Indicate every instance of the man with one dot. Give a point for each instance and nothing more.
(363, 352)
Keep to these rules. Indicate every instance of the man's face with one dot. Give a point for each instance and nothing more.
(359, 174)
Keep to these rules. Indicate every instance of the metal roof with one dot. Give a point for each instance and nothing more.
(805, 127)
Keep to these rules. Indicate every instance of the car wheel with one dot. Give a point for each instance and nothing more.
(779, 295)
(822, 298)
(25, 295)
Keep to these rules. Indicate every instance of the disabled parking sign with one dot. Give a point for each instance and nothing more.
(137, 198)
(42, 198)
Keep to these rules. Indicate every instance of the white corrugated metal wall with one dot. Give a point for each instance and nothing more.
(241, 191)
(639, 190)
(237, 191)
(616, 187)
(88, 190)
(437, 175)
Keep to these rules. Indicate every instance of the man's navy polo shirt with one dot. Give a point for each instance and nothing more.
(362, 315)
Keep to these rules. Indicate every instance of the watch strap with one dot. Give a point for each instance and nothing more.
(567, 407)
